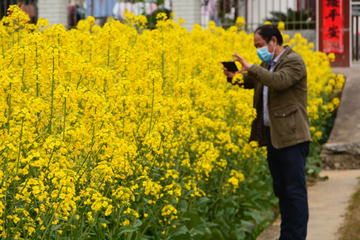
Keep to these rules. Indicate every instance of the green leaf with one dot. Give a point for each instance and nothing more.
(260, 185)
(224, 226)
(205, 236)
(216, 234)
(194, 219)
(202, 201)
(127, 229)
(240, 235)
(183, 232)
(199, 229)
(184, 219)
(183, 205)
(138, 223)
(56, 227)
(210, 224)
(255, 195)
(255, 215)
(231, 204)
(247, 226)
(91, 236)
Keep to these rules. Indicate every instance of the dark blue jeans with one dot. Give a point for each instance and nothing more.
(287, 167)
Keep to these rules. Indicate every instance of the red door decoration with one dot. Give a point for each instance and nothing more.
(333, 28)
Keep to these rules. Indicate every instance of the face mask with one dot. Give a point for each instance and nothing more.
(264, 55)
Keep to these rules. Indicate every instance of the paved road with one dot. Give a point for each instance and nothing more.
(347, 125)
(328, 201)
(345, 135)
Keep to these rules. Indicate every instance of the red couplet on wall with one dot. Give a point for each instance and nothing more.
(333, 26)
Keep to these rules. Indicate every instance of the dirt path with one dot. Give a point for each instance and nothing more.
(328, 201)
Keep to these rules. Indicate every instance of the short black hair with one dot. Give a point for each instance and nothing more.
(268, 31)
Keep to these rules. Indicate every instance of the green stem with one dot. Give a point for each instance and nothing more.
(52, 96)
(163, 60)
(108, 62)
(125, 69)
(18, 31)
(81, 51)
(21, 133)
(178, 63)
(23, 74)
(6, 192)
(90, 52)
(149, 222)
(49, 224)
(64, 120)
(10, 63)
(91, 156)
(9, 113)
(137, 209)
(119, 216)
(152, 104)
(37, 70)
(81, 236)
(124, 105)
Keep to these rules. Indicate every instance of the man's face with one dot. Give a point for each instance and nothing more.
(259, 42)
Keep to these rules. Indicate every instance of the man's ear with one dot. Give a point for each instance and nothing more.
(274, 39)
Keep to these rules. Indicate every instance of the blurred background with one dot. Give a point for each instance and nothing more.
(297, 14)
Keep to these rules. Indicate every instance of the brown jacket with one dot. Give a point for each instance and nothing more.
(287, 100)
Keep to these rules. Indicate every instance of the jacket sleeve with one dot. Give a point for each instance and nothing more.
(247, 84)
(292, 70)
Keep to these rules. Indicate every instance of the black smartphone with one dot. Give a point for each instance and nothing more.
(230, 66)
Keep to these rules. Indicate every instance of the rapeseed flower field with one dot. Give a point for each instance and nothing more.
(125, 133)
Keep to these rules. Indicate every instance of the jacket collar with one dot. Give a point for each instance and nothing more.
(286, 52)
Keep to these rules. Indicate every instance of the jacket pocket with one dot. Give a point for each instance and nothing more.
(285, 120)
(285, 111)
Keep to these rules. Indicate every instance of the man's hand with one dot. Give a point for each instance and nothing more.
(228, 73)
(244, 64)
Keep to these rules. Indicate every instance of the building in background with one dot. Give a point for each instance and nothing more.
(55, 11)
(28, 6)
(100, 9)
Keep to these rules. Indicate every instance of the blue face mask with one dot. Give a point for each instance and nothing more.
(264, 55)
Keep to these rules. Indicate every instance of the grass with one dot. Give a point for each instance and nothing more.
(350, 230)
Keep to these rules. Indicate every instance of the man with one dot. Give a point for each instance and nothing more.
(282, 123)
(29, 9)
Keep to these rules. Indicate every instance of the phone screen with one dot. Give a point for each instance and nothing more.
(230, 66)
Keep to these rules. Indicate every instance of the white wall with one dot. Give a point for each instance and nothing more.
(55, 11)
(189, 10)
(258, 10)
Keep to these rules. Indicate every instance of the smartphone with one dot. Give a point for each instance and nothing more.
(230, 66)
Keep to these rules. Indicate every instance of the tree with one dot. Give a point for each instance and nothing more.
(294, 20)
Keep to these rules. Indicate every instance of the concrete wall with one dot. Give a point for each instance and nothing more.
(55, 11)
(189, 10)
(310, 34)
